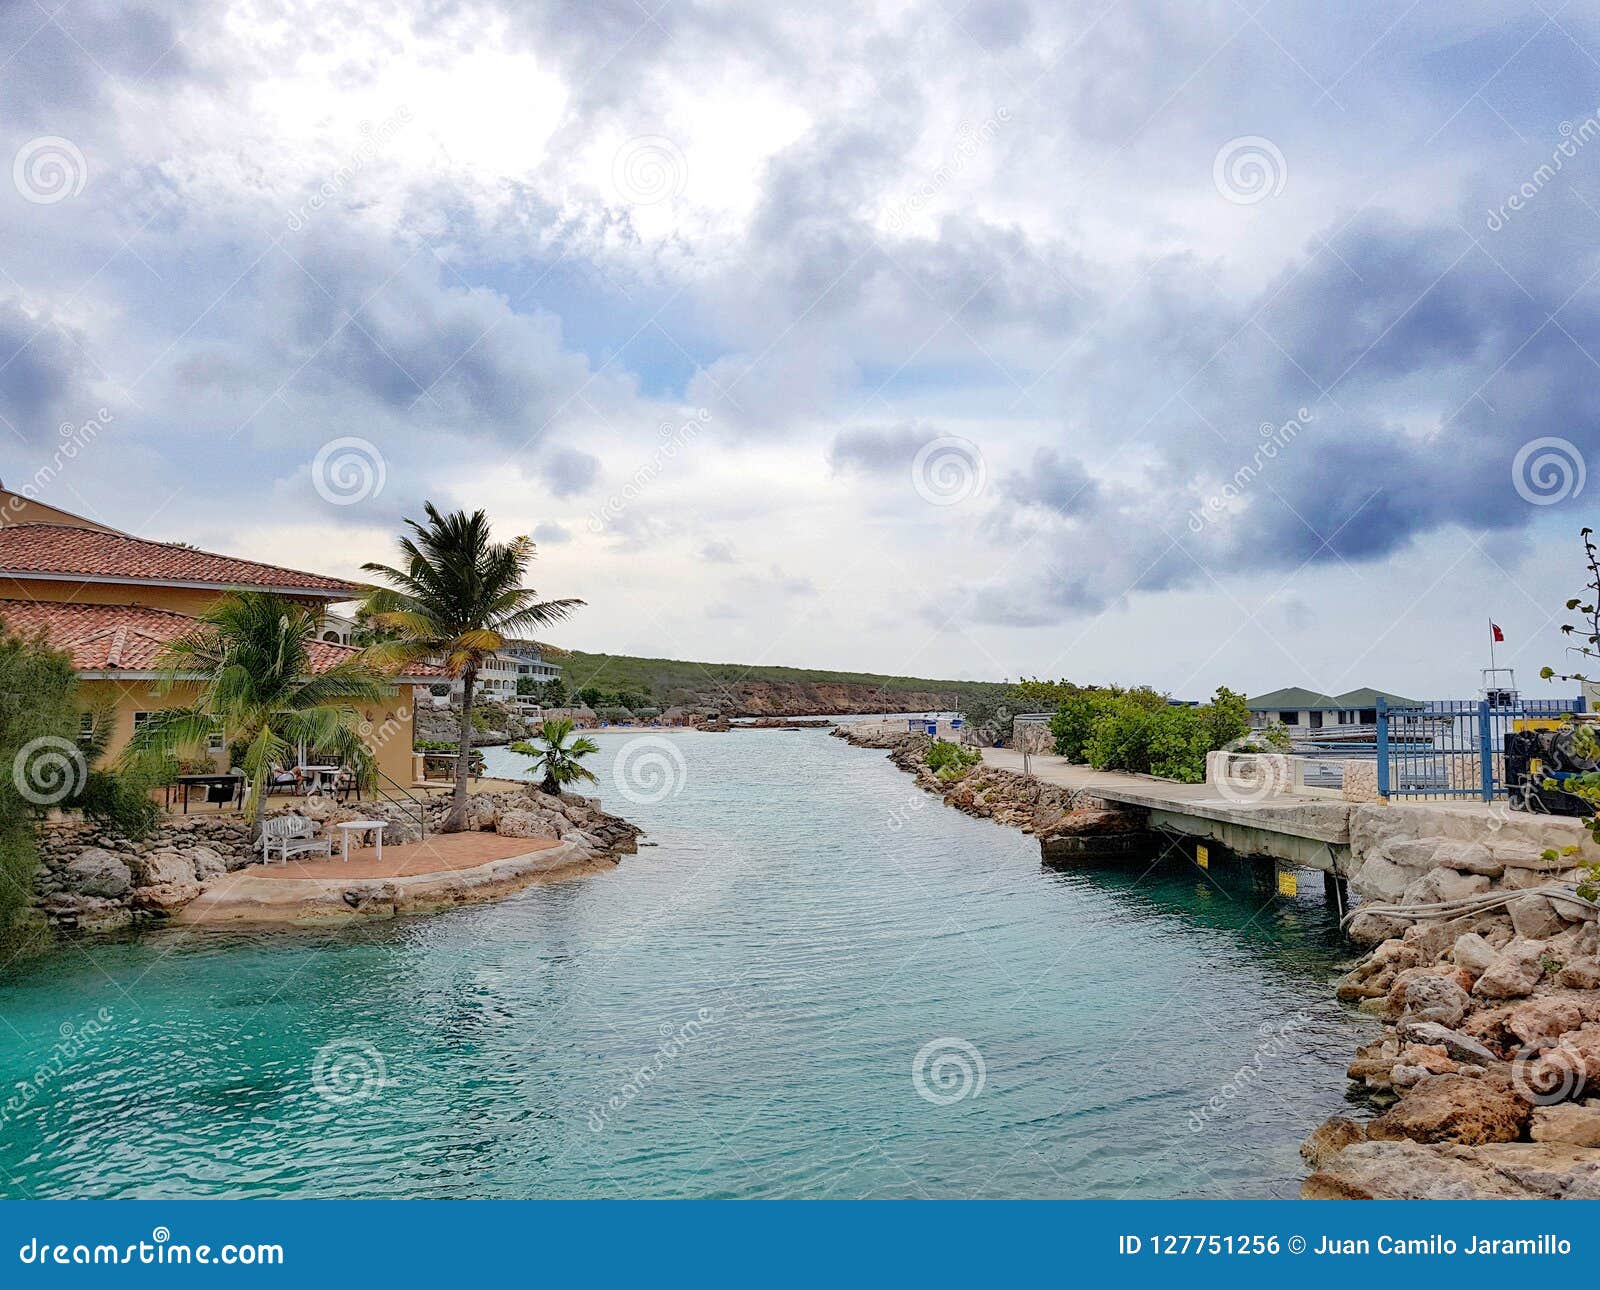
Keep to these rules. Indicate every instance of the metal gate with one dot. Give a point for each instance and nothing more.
(1455, 747)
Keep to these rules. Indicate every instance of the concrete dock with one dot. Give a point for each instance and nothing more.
(1309, 828)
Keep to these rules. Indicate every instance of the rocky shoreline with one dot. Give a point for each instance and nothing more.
(1486, 1079)
(92, 880)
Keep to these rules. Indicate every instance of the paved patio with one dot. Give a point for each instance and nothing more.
(437, 853)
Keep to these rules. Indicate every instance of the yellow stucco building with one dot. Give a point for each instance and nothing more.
(111, 601)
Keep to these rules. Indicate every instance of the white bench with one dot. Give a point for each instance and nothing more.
(291, 835)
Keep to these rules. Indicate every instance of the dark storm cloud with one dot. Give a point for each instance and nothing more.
(569, 471)
(43, 374)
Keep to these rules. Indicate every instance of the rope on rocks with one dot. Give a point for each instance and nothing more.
(1480, 904)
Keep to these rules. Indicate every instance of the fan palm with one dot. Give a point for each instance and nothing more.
(556, 759)
(456, 599)
(251, 654)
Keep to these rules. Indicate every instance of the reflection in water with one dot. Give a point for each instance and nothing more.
(737, 1011)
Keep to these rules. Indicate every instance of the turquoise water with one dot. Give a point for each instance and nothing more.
(806, 926)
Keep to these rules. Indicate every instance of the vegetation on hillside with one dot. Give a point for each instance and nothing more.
(665, 681)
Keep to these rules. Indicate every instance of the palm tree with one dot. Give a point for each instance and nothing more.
(457, 598)
(555, 757)
(251, 653)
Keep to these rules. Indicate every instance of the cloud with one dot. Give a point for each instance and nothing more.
(43, 374)
(551, 534)
(718, 551)
(569, 471)
(877, 451)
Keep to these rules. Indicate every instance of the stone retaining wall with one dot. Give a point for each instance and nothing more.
(92, 880)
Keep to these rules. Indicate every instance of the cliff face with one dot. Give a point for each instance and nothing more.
(805, 698)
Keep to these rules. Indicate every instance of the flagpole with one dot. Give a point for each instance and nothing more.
(1491, 645)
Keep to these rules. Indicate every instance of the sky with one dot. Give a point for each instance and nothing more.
(1188, 344)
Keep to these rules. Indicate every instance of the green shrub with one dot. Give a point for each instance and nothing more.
(36, 704)
(951, 760)
(1130, 731)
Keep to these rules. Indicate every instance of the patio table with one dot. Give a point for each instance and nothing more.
(374, 827)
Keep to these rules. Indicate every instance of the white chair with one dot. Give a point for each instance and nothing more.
(291, 835)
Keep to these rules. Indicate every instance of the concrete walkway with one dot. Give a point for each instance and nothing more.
(1309, 828)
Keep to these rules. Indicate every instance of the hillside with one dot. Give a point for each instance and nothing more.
(739, 689)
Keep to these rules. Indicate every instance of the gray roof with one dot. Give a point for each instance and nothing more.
(1295, 698)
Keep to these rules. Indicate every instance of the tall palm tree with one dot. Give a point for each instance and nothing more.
(457, 598)
(251, 654)
(555, 758)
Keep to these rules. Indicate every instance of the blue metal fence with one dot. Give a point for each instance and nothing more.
(1454, 747)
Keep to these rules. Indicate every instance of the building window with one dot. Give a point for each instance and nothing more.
(1289, 718)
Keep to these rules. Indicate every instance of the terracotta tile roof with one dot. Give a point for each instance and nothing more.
(60, 549)
(129, 638)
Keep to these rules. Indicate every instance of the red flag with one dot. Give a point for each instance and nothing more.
(1499, 636)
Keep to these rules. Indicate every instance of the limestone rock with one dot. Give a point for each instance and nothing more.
(1422, 994)
(96, 872)
(1570, 1122)
(1381, 880)
(524, 824)
(164, 898)
(207, 863)
(1330, 1138)
(1453, 1108)
(1439, 885)
(1535, 918)
(1374, 929)
(1418, 1062)
(163, 867)
(1515, 971)
(1540, 1022)
(1402, 1170)
(1457, 1045)
(1468, 857)
(1581, 974)
(1473, 953)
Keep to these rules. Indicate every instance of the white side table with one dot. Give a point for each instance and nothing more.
(374, 827)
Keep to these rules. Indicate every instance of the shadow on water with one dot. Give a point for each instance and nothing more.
(1235, 895)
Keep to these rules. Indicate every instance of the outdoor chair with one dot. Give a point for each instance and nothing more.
(345, 783)
(291, 835)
